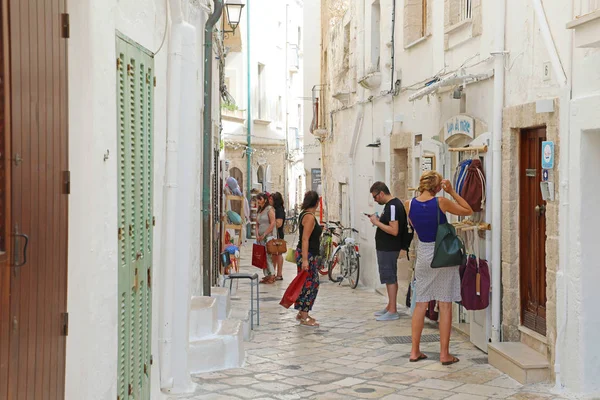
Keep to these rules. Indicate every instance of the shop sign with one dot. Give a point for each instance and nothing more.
(460, 125)
(315, 174)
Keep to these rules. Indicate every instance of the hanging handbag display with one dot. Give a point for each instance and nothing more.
(475, 284)
(449, 248)
(293, 291)
(259, 256)
(276, 246)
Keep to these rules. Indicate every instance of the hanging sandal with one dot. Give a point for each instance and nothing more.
(308, 321)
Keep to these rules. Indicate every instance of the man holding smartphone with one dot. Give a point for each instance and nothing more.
(388, 245)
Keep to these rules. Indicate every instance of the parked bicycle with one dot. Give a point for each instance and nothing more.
(345, 260)
(291, 223)
(327, 246)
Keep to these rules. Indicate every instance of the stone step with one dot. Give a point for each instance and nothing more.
(223, 350)
(221, 294)
(203, 317)
(519, 361)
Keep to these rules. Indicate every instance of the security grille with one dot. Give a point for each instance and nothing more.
(408, 339)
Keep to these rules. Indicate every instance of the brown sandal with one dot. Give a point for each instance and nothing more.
(309, 321)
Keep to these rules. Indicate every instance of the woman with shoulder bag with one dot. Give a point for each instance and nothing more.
(279, 220)
(306, 257)
(265, 231)
(425, 213)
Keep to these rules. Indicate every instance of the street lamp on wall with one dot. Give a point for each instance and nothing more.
(233, 9)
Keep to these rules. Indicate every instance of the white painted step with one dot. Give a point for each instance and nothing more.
(519, 361)
(203, 317)
(223, 350)
(242, 314)
(221, 294)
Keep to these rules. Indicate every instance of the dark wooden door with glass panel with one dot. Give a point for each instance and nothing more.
(33, 320)
(532, 254)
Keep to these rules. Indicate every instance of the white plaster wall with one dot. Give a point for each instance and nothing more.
(528, 52)
(93, 281)
(579, 349)
(312, 75)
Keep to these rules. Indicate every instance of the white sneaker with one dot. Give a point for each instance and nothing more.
(388, 316)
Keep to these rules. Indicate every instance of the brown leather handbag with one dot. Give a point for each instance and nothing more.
(276, 246)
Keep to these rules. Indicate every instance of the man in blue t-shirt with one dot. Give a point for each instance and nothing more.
(388, 245)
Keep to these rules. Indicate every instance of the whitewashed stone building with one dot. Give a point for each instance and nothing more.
(408, 84)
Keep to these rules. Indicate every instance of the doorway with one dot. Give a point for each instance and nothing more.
(532, 252)
(237, 174)
(35, 187)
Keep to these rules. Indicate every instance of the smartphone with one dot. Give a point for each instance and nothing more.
(368, 215)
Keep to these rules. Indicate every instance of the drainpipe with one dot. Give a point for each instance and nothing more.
(559, 71)
(499, 43)
(248, 111)
(207, 145)
(173, 349)
(287, 169)
(564, 236)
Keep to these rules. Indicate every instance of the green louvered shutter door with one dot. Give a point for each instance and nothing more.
(123, 199)
(135, 103)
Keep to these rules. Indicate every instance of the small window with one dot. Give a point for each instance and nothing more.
(415, 20)
(346, 60)
(375, 34)
(464, 10)
(262, 107)
(279, 109)
(592, 5)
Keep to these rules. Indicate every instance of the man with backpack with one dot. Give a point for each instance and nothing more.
(390, 239)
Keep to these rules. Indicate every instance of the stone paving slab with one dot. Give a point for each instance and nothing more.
(347, 356)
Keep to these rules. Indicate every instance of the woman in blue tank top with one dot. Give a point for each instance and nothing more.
(441, 284)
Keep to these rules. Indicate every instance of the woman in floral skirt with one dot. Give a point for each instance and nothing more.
(306, 257)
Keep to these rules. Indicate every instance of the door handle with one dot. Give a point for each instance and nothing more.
(16, 255)
(540, 210)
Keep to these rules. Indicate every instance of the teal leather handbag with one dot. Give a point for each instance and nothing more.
(449, 249)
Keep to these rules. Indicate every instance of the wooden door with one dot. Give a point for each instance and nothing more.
(37, 316)
(5, 250)
(532, 236)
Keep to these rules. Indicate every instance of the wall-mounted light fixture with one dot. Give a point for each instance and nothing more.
(233, 9)
(376, 144)
(457, 94)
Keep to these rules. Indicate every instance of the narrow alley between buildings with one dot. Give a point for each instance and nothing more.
(350, 355)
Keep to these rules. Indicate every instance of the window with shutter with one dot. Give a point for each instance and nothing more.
(135, 68)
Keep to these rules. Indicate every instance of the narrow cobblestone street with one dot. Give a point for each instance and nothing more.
(349, 355)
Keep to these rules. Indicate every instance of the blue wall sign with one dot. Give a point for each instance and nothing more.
(460, 125)
(547, 155)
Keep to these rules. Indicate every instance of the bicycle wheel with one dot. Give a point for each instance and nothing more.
(293, 225)
(353, 265)
(324, 250)
(334, 267)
